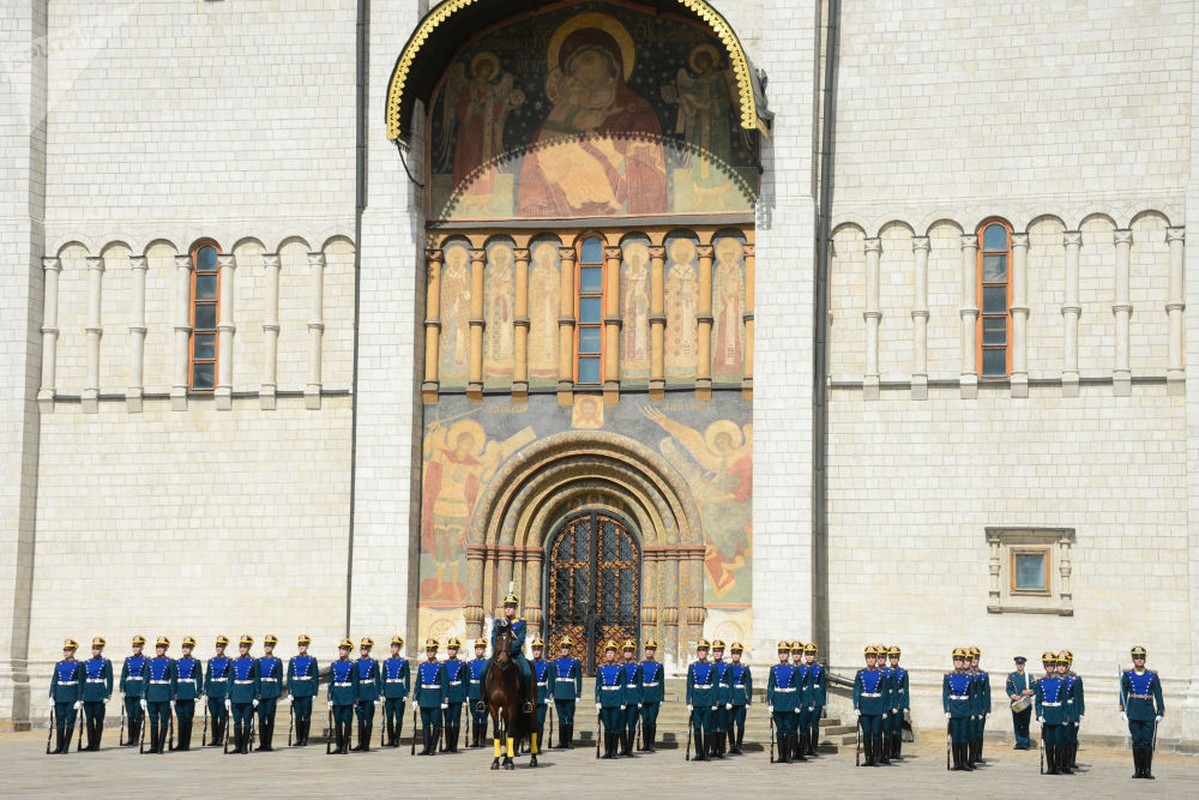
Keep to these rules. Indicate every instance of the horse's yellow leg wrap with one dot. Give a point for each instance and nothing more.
(534, 749)
(510, 747)
(498, 749)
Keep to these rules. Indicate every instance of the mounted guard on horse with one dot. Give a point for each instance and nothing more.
(508, 687)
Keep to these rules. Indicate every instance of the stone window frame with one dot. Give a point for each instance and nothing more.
(983, 315)
(580, 295)
(1005, 543)
(193, 302)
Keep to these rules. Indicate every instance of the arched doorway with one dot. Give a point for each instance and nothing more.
(593, 584)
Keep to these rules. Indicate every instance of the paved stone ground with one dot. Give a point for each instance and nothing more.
(26, 772)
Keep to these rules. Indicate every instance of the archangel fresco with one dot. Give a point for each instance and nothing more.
(634, 309)
(455, 316)
(597, 112)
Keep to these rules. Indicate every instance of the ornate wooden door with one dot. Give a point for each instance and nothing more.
(594, 585)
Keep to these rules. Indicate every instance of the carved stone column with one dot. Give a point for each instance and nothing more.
(478, 260)
(270, 334)
(434, 260)
(703, 372)
(747, 380)
(530, 588)
(183, 330)
(1019, 309)
(95, 329)
(873, 315)
(920, 250)
(1071, 311)
(520, 374)
(612, 322)
(969, 314)
(316, 329)
(51, 270)
(137, 336)
(473, 607)
(1175, 308)
(1122, 310)
(657, 322)
(226, 264)
(566, 327)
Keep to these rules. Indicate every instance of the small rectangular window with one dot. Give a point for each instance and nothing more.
(1028, 572)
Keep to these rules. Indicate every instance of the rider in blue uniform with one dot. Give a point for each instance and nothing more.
(66, 695)
(1051, 713)
(474, 694)
(367, 691)
(900, 700)
(342, 694)
(869, 705)
(701, 697)
(741, 685)
(303, 682)
(269, 671)
(516, 650)
(817, 693)
(566, 685)
(610, 698)
(397, 680)
(189, 686)
(243, 694)
(160, 693)
(216, 689)
(653, 693)
(456, 681)
(958, 707)
(632, 696)
(97, 689)
(1142, 707)
(541, 680)
(429, 694)
(133, 689)
(782, 698)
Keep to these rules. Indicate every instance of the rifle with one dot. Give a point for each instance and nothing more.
(329, 729)
(121, 735)
(772, 738)
(948, 742)
(857, 749)
(470, 721)
(170, 730)
(79, 721)
(382, 728)
(291, 720)
(412, 752)
(229, 723)
(1042, 748)
(204, 735)
(50, 730)
(252, 728)
(690, 718)
(141, 740)
(550, 741)
(599, 727)
(637, 736)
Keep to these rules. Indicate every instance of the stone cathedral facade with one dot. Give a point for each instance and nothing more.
(842, 321)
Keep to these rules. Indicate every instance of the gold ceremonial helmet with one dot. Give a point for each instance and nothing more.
(1139, 652)
(397, 640)
(69, 644)
(784, 647)
(304, 639)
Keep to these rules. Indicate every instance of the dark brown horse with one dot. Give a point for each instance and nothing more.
(501, 693)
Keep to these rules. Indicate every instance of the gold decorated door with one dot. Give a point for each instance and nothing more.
(594, 585)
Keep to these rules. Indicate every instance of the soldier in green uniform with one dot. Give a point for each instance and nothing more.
(429, 694)
(900, 700)
(869, 705)
(566, 681)
(802, 702)
(958, 705)
(742, 688)
(1076, 706)
(66, 696)
(541, 680)
(133, 689)
(982, 705)
(474, 694)
(397, 680)
(631, 671)
(782, 698)
(1142, 707)
(817, 693)
(720, 711)
(216, 689)
(610, 698)
(455, 693)
(701, 697)
(368, 692)
(1020, 690)
(97, 690)
(653, 694)
(189, 687)
(243, 694)
(303, 682)
(342, 695)
(269, 674)
(160, 693)
(1051, 714)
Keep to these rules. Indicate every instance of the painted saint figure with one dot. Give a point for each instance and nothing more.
(634, 309)
(544, 288)
(498, 332)
(682, 309)
(455, 316)
(728, 290)
(474, 112)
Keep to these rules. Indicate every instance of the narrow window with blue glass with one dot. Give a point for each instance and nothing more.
(589, 313)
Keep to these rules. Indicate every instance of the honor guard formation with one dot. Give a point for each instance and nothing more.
(161, 696)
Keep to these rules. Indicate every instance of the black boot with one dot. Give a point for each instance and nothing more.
(1147, 761)
(649, 733)
(784, 749)
(367, 729)
(897, 745)
(570, 736)
(1064, 760)
(800, 743)
(880, 750)
(1138, 763)
(452, 739)
(813, 740)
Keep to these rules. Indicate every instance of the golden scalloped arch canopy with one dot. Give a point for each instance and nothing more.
(428, 53)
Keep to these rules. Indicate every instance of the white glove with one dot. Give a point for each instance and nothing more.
(988, 715)
(600, 707)
(947, 715)
(884, 716)
(1124, 716)
(172, 705)
(106, 699)
(444, 706)
(638, 705)
(895, 711)
(289, 699)
(143, 705)
(255, 703)
(330, 704)
(1080, 717)
(857, 712)
(1041, 720)
(623, 707)
(770, 709)
(201, 698)
(728, 706)
(549, 701)
(229, 704)
(689, 709)
(378, 701)
(78, 704)
(1157, 718)
(811, 708)
(714, 708)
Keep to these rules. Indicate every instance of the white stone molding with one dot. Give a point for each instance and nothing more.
(1175, 311)
(183, 329)
(969, 314)
(872, 315)
(90, 397)
(1071, 311)
(226, 266)
(51, 270)
(920, 251)
(1019, 310)
(1122, 310)
(270, 334)
(137, 336)
(316, 329)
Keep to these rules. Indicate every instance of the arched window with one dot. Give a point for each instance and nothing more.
(995, 297)
(589, 312)
(205, 314)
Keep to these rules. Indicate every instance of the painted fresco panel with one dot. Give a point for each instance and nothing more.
(634, 311)
(499, 314)
(455, 316)
(728, 306)
(601, 111)
(544, 297)
(682, 310)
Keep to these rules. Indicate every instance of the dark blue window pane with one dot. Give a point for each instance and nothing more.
(994, 363)
(591, 280)
(590, 309)
(994, 299)
(590, 341)
(1030, 572)
(589, 370)
(205, 317)
(206, 286)
(592, 251)
(203, 376)
(995, 238)
(205, 346)
(206, 259)
(995, 269)
(995, 331)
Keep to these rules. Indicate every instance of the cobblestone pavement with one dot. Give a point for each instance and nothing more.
(308, 772)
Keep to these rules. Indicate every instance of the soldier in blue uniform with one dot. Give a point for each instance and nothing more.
(724, 696)
(429, 694)
(900, 701)
(216, 689)
(97, 690)
(303, 682)
(742, 688)
(397, 680)
(541, 679)
(243, 694)
(1142, 707)
(1076, 706)
(474, 694)
(1051, 714)
(883, 751)
(782, 698)
(66, 696)
(802, 702)
(456, 677)
(566, 682)
(269, 671)
(158, 674)
(653, 693)
(817, 693)
(133, 689)
(516, 651)
(982, 705)
(342, 695)
(610, 698)
(1019, 688)
(632, 696)
(368, 692)
(869, 705)
(189, 687)
(701, 697)
(958, 707)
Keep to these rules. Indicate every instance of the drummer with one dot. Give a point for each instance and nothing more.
(1020, 692)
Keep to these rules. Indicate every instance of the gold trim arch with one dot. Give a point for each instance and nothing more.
(401, 94)
(570, 471)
